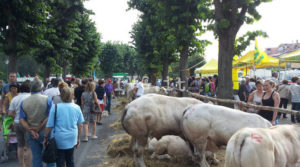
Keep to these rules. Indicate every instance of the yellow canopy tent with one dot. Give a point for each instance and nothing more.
(210, 67)
(257, 58)
(291, 57)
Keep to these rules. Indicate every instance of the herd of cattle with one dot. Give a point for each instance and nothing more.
(190, 128)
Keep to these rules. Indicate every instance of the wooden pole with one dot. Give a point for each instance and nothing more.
(257, 107)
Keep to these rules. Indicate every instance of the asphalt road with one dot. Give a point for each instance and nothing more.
(91, 153)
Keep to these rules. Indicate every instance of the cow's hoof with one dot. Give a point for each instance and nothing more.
(215, 161)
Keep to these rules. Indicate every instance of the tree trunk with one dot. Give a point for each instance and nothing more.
(165, 70)
(183, 73)
(226, 53)
(12, 50)
(47, 71)
(64, 71)
(152, 76)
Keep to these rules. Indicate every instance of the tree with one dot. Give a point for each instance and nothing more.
(62, 23)
(175, 27)
(229, 16)
(243, 42)
(107, 59)
(22, 26)
(150, 60)
(85, 57)
(184, 19)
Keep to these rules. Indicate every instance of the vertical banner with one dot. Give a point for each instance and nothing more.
(235, 79)
(246, 71)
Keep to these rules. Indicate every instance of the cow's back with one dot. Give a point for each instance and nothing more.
(156, 115)
(255, 147)
(217, 122)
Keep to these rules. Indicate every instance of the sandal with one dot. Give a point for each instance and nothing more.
(85, 139)
(94, 137)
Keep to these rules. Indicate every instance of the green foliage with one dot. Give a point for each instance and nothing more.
(107, 58)
(87, 47)
(22, 26)
(166, 28)
(244, 41)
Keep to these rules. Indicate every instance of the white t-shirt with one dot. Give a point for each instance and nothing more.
(52, 92)
(275, 80)
(15, 105)
(140, 90)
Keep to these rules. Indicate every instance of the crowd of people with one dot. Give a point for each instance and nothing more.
(33, 112)
(204, 85)
(256, 91)
(270, 93)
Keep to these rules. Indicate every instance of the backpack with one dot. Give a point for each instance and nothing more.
(207, 87)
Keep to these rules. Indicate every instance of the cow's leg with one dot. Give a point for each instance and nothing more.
(138, 147)
(164, 156)
(200, 151)
(211, 158)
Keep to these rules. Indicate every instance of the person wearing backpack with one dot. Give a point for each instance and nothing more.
(207, 88)
(101, 95)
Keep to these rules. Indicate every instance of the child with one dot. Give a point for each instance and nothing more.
(11, 142)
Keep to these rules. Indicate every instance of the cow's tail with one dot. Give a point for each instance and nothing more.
(123, 118)
(235, 148)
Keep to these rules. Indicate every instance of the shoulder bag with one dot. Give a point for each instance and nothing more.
(94, 106)
(49, 154)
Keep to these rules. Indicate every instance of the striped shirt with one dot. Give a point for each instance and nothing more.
(295, 93)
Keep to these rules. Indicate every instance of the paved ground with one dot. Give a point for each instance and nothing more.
(91, 153)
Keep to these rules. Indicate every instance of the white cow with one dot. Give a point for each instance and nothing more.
(207, 127)
(130, 90)
(278, 146)
(153, 115)
(155, 89)
(169, 146)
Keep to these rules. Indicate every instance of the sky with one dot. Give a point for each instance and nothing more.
(280, 19)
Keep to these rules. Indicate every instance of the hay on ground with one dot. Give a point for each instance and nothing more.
(116, 125)
(120, 146)
(120, 152)
(121, 103)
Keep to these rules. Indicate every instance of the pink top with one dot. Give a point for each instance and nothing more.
(12, 137)
(213, 86)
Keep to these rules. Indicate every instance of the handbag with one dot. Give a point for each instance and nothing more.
(49, 154)
(94, 106)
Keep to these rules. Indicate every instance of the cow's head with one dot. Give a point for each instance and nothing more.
(152, 145)
(163, 91)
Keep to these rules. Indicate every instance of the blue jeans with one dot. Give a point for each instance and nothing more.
(295, 106)
(276, 122)
(36, 146)
(108, 103)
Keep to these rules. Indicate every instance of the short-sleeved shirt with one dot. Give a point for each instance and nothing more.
(140, 90)
(15, 104)
(52, 92)
(5, 89)
(108, 89)
(68, 116)
(77, 93)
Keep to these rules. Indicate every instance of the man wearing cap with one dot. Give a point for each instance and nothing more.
(34, 111)
(109, 90)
